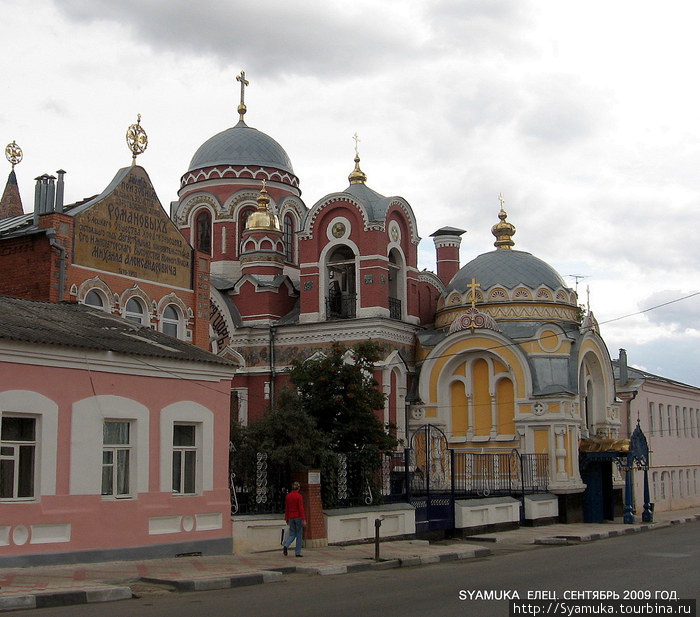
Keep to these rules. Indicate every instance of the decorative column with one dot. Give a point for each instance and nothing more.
(560, 453)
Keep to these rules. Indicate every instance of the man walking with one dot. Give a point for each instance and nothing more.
(296, 519)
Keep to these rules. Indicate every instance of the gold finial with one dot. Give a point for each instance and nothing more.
(472, 290)
(136, 139)
(503, 231)
(263, 198)
(357, 176)
(13, 153)
(241, 107)
(263, 217)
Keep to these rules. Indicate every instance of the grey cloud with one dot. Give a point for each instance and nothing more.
(675, 308)
(678, 360)
(499, 26)
(267, 37)
(562, 110)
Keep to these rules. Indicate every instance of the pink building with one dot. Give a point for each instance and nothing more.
(113, 439)
(669, 414)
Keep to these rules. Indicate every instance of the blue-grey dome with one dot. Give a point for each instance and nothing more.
(241, 145)
(376, 204)
(509, 269)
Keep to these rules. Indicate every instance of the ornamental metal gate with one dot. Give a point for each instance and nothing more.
(431, 491)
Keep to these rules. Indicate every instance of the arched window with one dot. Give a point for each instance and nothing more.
(396, 286)
(171, 321)
(289, 238)
(203, 230)
(242, 220)
(342, 293)
(134, 311)
(95, 299)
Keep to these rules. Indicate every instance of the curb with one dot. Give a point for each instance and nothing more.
(613, 533)
(65, 598)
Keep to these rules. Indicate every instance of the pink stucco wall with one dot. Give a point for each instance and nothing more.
(96, 523)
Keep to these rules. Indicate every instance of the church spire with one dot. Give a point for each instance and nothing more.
(357, 176)
(503, 231)
(11, 202)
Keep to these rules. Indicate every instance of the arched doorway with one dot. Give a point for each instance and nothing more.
(341, 301)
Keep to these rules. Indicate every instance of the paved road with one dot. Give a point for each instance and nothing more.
(666, 560)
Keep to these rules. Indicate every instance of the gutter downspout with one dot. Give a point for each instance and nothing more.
(273, 332)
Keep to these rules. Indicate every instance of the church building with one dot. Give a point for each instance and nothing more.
(497, 354)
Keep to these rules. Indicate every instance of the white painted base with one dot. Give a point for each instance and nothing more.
(541, 506)
(252, 534)
(358, 524)
(489, 511)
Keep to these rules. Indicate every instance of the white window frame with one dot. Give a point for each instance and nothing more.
(187, 412)
(169, 321)
(10, 450)
(118, 475)
(183, 454)
(133, 316)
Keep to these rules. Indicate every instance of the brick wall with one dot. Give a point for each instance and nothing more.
(315, 532)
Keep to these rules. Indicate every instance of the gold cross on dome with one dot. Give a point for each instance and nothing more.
(501, 199)
(472, 290)
(244, 82)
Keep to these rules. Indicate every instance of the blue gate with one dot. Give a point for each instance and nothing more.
(431, 489)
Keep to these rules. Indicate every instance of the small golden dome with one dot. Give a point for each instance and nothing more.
(357, 176)
(263, 218)
(503, 231)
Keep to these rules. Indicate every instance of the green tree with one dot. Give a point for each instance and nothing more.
(286, 433)
(342, 397)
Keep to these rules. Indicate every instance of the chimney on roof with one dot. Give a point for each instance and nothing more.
(622, 363)
(58, 206)
(48, 196)
(447, 241)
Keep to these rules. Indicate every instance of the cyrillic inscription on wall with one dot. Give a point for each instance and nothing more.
(129, 233)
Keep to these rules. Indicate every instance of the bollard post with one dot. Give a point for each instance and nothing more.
(377, 525)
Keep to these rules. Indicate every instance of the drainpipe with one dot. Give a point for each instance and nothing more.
(53, 242)
(273, 332)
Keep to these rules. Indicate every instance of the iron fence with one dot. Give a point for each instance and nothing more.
(362, 479)
(257, 485)
(510, 473)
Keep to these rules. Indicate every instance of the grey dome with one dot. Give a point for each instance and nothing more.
(509, 269)
(241, 145)
(376, 204)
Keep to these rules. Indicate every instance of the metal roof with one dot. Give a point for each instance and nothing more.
(241, 145)
(509, 269)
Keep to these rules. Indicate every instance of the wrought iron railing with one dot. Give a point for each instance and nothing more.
(341, 306)
(508, 473)
(362, 479)
(394, 308)
(258, 486)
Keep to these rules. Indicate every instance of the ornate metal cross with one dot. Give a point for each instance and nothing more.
(244, 82)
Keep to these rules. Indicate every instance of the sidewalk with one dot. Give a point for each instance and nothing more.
(103, 582)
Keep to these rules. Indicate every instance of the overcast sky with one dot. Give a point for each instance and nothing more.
(585, 116)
